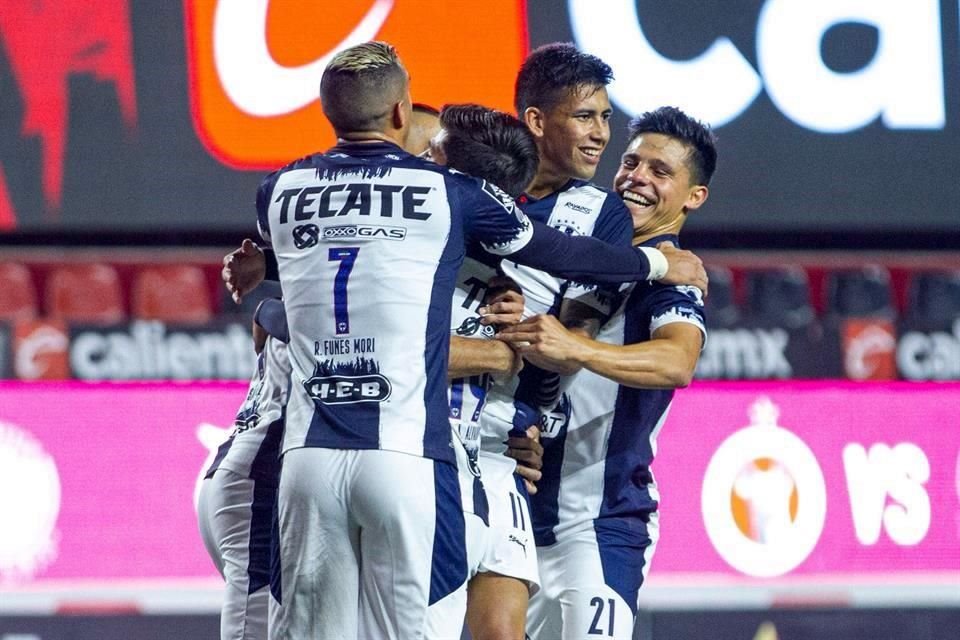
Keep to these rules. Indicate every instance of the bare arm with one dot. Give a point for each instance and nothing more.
(667, 361)
(472, 357)
(580, 319)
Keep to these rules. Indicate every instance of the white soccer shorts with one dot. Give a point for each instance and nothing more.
(235, 515)
(511, 550)
(368, 540)
(590, 579)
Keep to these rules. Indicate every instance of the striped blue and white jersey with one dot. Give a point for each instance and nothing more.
(468, 395)
(368, 241)
(253, 448)
(578, 209)
(602, 438)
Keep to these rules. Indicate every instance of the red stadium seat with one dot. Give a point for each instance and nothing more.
(82, 293)
(172, 293)
(18, 298)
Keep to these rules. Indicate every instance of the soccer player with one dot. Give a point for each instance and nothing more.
(235, 508)
(561, 97)
(595, 515)
(368, 240)
(499, 148)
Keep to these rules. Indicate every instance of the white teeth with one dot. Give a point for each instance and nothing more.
(590, 152)
(637, 198)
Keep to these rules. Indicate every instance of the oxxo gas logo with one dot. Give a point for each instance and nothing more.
(255, 65)
(764, 499)
(902, 85)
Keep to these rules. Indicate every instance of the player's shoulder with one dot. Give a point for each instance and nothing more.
(587, 188)
(594, 197)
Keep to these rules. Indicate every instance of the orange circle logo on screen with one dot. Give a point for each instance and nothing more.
(255, 65)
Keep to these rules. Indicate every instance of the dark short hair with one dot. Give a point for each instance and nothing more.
(671, 121)
(489, 144)
(360, 85)
(551, 72)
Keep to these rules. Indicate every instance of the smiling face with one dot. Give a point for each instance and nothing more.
(571, 136)
(655, 183)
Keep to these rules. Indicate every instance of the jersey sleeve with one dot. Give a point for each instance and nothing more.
(581, 258)
(263, 206)
(493, 218)
(680, 303)
(615, 226)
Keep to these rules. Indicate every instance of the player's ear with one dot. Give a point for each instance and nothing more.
(533, 117)
(696, 197)
(400, 115)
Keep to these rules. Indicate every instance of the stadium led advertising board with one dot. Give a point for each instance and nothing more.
(775, 484)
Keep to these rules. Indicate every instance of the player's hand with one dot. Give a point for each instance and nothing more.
(503, 305)
(243, 270)
(545, 342)
(684, 267)
(528, 452)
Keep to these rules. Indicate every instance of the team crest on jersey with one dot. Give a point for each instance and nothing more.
(348, 382)
(472, 327)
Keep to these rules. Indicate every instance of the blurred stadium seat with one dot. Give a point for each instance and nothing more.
(720, 304)
(933, 298)
(84, 293)
(779, 296)
(18, 298)
(863, 292)
(172, 293)
(244, 310)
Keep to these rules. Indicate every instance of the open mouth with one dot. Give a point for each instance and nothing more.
(592, 154)
(637, 199)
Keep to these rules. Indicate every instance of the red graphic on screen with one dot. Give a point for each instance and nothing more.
(7, 218)
(46, 41)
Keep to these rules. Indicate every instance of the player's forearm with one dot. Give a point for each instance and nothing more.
(587, 259)
(472, 357)
(654, 364)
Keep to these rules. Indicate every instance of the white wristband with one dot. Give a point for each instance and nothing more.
(658, 263)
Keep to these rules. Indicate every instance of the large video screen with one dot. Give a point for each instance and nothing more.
(129, 115)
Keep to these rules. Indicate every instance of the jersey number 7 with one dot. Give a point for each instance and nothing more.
(346, 256)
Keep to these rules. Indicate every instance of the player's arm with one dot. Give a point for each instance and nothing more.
(244, 269)
(528, 452)
(473, 357)
(503, 306)
(579, 320)
(504, 230)
(666, 361)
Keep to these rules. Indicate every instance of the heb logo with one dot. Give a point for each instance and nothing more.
(255, 66)
(869, 349)
(348, 389)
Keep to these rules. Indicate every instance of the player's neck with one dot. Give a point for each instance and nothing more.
(368, 137)
(672, 229)
(545, 183)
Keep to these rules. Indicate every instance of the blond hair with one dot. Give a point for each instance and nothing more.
(361, 85)
(364, 57)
